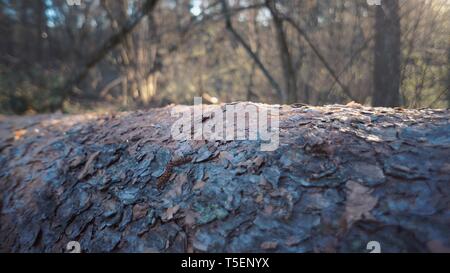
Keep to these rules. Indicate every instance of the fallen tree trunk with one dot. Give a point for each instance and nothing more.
(343, 176)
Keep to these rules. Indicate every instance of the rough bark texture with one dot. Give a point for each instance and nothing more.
(342, 176)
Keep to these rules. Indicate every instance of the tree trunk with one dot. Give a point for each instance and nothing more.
(387, 55)
(341, 177)
(289, 73)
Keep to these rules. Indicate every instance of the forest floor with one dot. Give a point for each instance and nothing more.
(341, 177)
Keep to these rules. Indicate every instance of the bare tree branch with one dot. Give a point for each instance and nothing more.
(320, 56)
(67, 88)
(289, 73)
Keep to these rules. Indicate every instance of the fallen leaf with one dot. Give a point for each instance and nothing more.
(170, 212)
(359, 202)
(19, 134)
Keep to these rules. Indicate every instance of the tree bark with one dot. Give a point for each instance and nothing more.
(387, 71)
(341, 177)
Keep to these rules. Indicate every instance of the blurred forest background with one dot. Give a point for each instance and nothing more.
(134, 54)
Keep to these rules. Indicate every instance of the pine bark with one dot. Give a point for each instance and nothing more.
(342, 176)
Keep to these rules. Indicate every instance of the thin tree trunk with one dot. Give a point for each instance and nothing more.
(40, 25)
(387, 71)
(280, 92)
(321, 57)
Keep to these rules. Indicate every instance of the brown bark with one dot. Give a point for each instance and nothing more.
(341, 177)
(387, 55)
